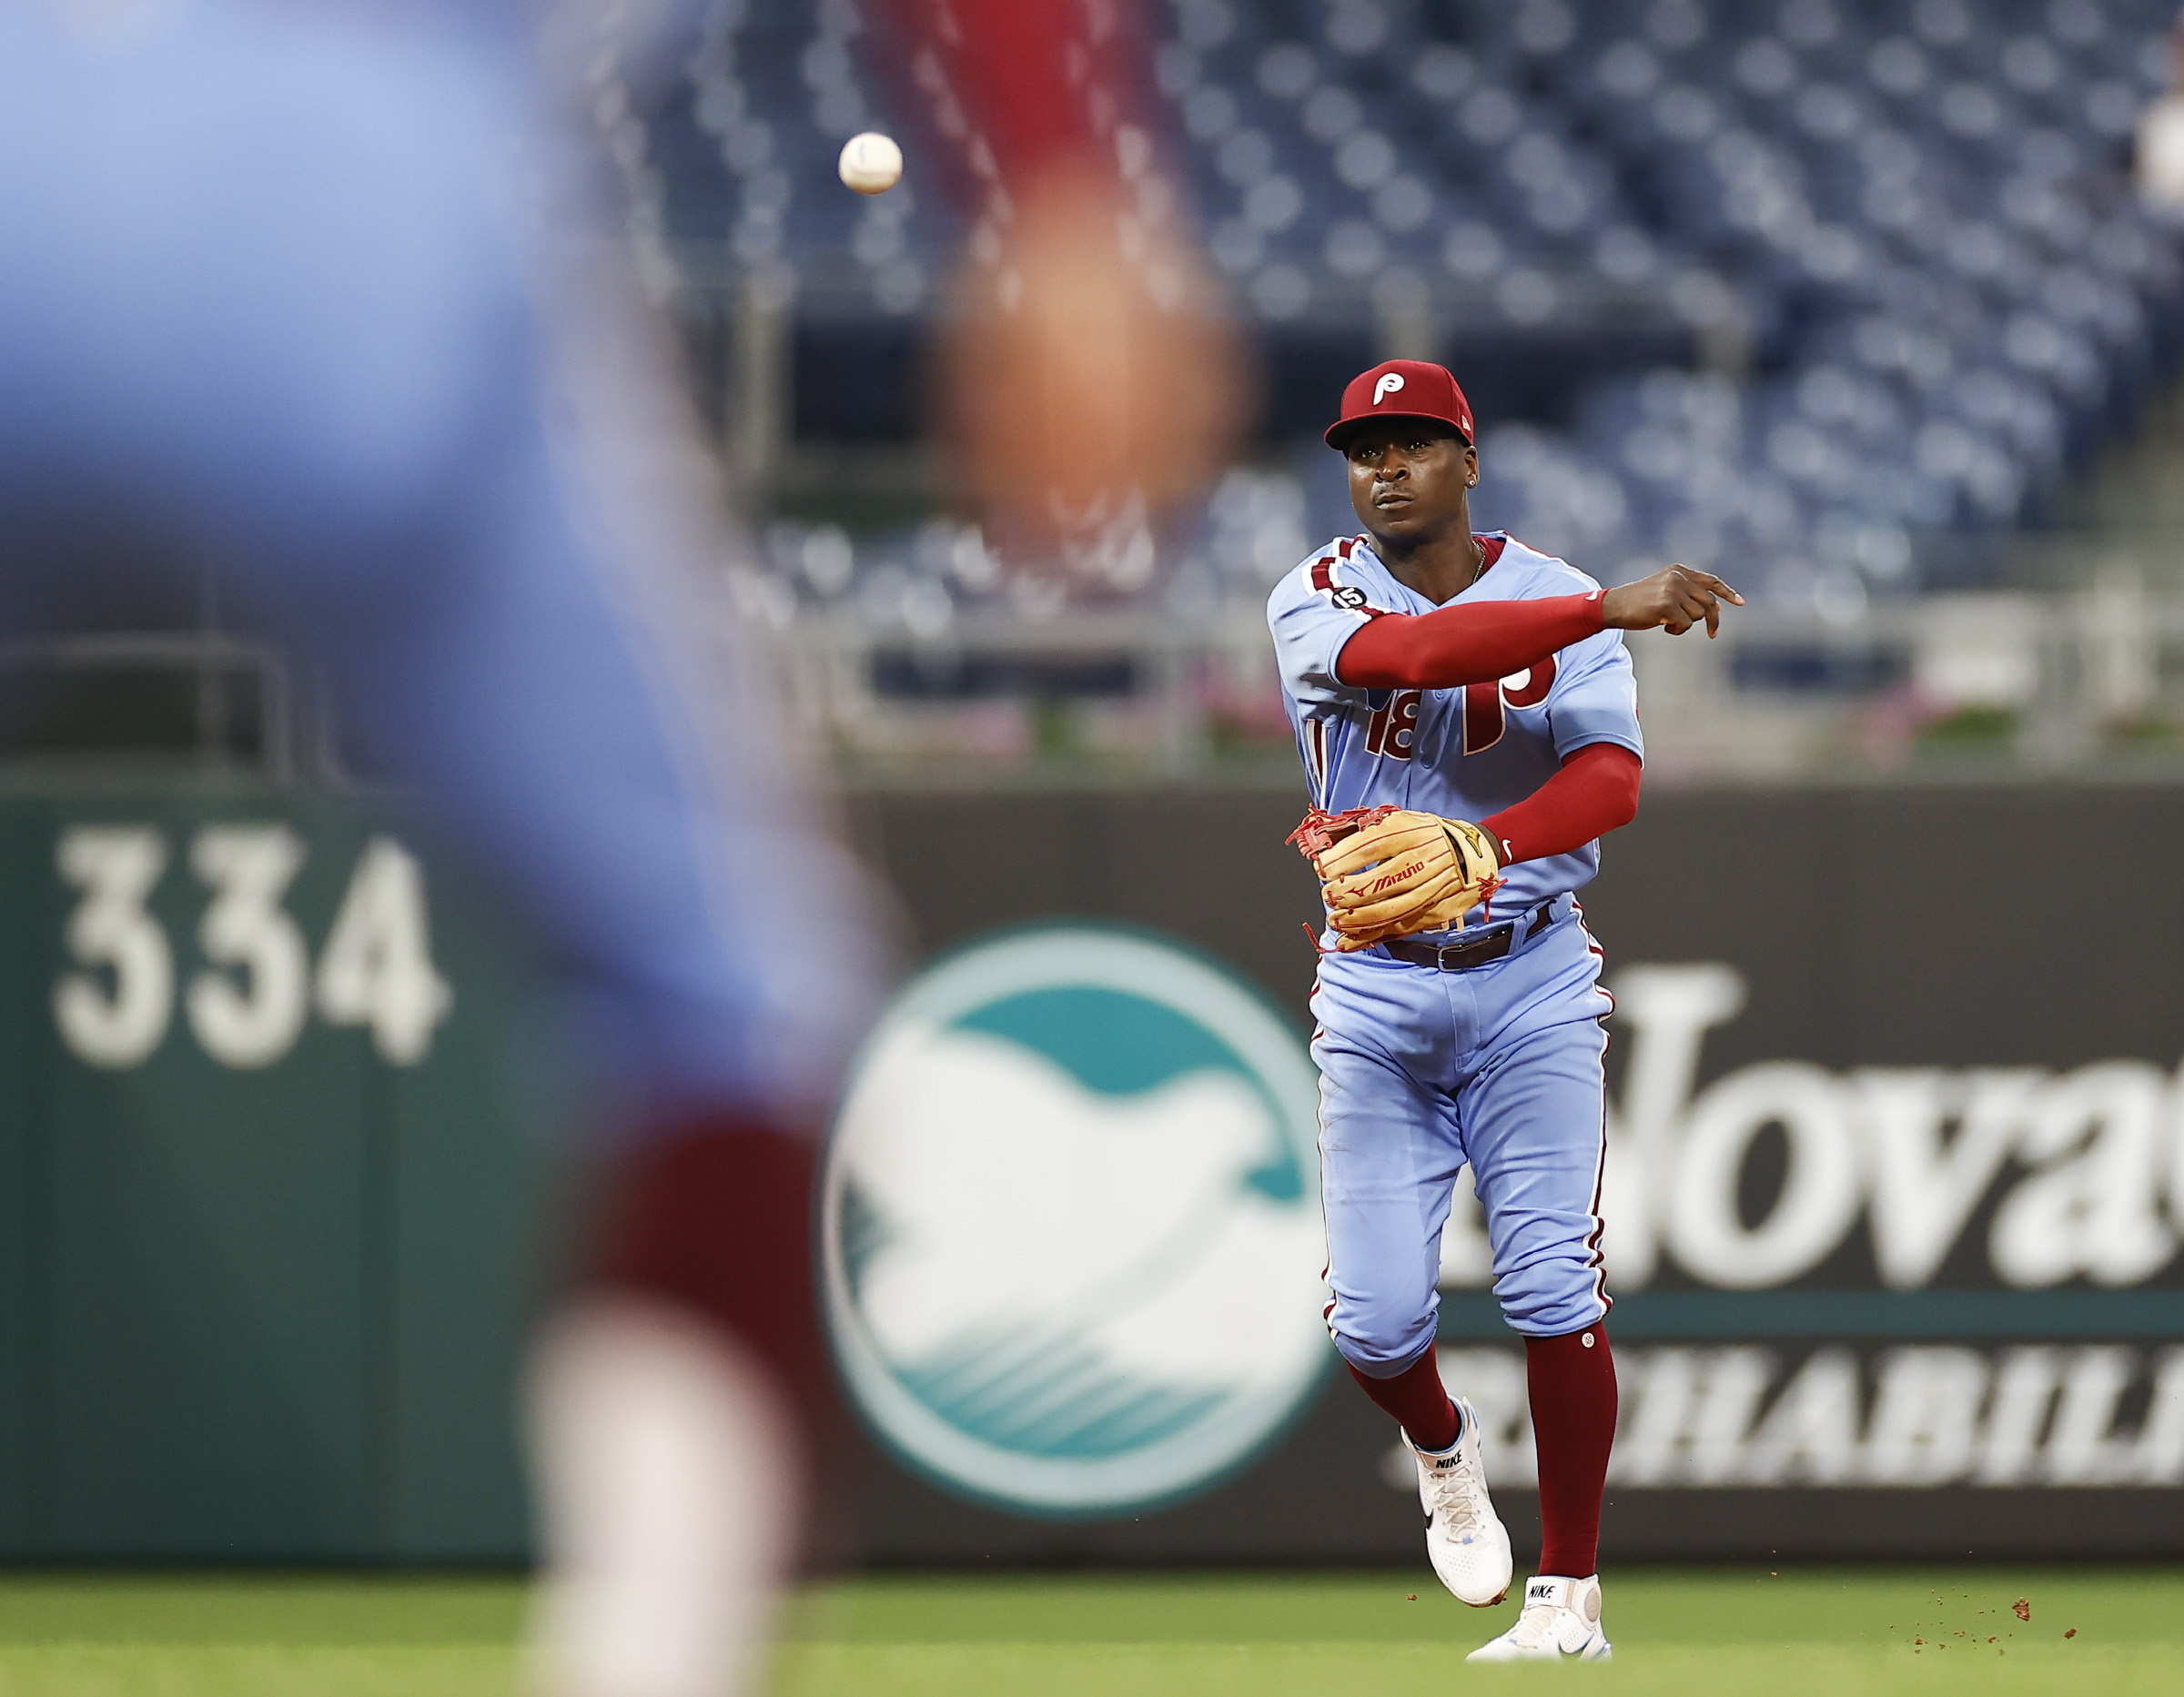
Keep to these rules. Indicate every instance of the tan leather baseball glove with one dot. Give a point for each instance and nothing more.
(1393, 872)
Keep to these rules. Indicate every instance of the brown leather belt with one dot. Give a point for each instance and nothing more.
(1488, 944)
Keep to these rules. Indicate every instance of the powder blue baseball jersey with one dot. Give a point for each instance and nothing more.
(1463, 754)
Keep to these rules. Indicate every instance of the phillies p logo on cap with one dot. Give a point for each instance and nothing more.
(1401, 388)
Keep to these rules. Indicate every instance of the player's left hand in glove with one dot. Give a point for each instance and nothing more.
(1392, 871)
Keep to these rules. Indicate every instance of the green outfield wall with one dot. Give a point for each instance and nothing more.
(1896, 1187)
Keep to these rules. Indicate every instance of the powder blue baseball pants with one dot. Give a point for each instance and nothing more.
(1423, 1071)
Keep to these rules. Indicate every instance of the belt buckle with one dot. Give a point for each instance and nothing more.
(1461, 950)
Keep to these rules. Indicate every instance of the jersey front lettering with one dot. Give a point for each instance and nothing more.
(1484, 718)
(1392, 731)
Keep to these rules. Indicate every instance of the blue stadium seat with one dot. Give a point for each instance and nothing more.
(1917, 211)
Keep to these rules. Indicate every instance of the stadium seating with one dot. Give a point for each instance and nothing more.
(1897, 238)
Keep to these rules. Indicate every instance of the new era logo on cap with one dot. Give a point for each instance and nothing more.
(1401, 388)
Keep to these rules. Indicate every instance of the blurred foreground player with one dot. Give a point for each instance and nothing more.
(1469, 723)
(313, 292)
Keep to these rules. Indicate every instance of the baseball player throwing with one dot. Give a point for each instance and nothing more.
(1468, 725)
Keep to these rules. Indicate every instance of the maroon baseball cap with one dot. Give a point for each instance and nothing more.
(1401, 388)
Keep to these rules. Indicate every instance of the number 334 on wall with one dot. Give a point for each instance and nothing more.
(249, 1004)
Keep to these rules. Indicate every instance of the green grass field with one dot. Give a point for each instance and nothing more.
(1838, 1630)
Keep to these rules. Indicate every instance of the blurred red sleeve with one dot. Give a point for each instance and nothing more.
(1084, 295)
(1595, 793)
(1020, 87)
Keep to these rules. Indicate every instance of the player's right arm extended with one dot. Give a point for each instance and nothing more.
(1475, 643)
(1479, 642)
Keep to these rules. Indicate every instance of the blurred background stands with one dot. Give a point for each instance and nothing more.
(1853, 302)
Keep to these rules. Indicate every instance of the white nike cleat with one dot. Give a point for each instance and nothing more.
(1560, 1622)
(1464, 1538)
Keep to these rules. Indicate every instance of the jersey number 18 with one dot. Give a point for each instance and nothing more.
(1393, 728)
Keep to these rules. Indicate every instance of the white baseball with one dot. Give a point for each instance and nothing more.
(871, 163)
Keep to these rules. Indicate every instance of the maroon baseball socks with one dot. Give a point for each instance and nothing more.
(1572, 1380)
(1572, 1384)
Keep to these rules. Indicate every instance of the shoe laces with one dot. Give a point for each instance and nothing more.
(1535, 1626)
(1452, 1493)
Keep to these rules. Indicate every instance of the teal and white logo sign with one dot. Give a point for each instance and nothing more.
(1073, 1231)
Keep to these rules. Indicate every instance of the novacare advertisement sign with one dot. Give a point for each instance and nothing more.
(1894, 1194)
(1073, 1248)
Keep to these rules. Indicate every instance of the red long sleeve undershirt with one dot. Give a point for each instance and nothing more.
(1473, 642)
(1594, 792)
